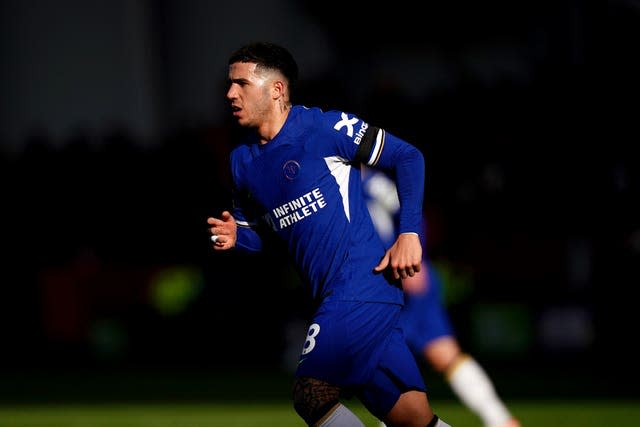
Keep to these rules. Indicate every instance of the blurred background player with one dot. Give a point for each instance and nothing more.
(428, 329)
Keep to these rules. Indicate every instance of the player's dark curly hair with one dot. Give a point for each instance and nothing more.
(271, 56)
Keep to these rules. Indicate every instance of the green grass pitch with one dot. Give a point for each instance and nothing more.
(531, 413)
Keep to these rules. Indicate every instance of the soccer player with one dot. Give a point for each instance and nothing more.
(298, 175)
(424, 319)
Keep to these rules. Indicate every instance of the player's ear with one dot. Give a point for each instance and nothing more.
(278, 88)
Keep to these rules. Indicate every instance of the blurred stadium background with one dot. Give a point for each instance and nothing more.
(113, 144)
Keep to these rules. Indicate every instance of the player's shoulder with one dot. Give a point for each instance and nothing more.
(243, 151)
(331, 120)
(240, 151)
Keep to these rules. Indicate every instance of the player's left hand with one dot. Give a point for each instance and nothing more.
(404, 257)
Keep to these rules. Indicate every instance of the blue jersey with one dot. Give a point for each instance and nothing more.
(306, 185)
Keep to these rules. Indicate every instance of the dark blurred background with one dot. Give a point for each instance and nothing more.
(114, 137)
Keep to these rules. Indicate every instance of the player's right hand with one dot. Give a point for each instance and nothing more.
(223, 231)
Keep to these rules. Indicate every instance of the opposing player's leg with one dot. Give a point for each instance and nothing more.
(474, 388)
(430, 335)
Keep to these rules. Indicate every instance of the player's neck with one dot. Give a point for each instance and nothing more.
(270, 128)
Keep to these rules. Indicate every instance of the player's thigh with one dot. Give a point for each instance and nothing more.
(346, 340)
(313, 398)
(395, 374)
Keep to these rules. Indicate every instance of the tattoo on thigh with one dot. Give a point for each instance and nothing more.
(313, 398)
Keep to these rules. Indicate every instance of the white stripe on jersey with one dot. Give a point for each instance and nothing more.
(340, 170)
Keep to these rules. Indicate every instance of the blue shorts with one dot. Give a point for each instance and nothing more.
(360, 347)
(424, 317)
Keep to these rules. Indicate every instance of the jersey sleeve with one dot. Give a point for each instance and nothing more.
(244, 213)
(408, 166)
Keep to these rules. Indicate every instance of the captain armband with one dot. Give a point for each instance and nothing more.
(371, 146)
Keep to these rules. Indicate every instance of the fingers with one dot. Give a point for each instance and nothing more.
(402, 273)
(384, 262)
(214, 221)
(399, 271)
(219, 236)
(224, 218)
(220, 225)
(222, 230)
(218, 241)
(405, 272)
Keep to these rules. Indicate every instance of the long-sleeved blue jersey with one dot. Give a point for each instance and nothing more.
(306, 185)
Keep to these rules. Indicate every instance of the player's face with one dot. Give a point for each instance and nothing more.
(249, 94)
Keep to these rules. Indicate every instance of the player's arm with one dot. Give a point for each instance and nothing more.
(382, 150)
(362, 143)
(236, 229)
